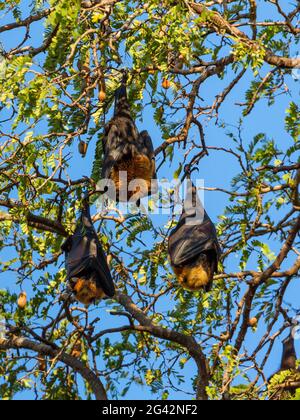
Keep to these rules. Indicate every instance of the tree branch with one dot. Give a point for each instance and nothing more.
(183, 340)
(26, 22)
(37, 222)
(221, 25)
(43, 349)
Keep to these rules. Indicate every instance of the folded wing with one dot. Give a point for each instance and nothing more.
(86, 261)
(128, 155)
(194, 249)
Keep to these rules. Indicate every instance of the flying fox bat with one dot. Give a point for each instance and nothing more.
(128, 154)
(194, 250)
(87, 271)
(289, 357)
(288, 362)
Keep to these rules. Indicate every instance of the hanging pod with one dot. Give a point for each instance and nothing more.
(129, 159)
(194, 249)
(87, 271)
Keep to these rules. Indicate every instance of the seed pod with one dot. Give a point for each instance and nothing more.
(22, 300)
(101, 86)
(102, 96)
(253, 322)
(42, 363)
(166, 84)
(82, 148)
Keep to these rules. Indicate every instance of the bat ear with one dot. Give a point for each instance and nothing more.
(67, 245)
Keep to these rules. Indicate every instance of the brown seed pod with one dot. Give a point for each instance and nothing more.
(102, 96)
(42, 363)
(253, 322)
(101, 86)
(166, 84)
(82, 148)
(22, 300)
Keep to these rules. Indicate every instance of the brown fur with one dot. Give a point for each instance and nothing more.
(77, 350)
(86, 291)
(138, 168)
(197, 274)
(42, 363)
(193, 278)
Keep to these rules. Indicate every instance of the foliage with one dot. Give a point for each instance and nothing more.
(66, 54)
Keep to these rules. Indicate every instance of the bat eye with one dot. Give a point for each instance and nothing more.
(185, 280)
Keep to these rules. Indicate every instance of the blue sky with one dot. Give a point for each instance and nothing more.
(214, 170)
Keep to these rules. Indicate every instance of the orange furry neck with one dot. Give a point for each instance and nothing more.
(193, 278)
(86, 291)
(140, 170)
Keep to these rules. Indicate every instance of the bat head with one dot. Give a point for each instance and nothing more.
(197, 274)
(86, 290)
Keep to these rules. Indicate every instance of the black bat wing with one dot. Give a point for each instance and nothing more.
(289, 356)
(112, 144)
(120, 142)
(145, 146)
(117, 132)
(289, 363)
(186, 242)
(193, 235)
(85, 256)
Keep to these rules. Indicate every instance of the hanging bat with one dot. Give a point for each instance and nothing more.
(288, 362)
(128, 154)
(87, 270)
(194, 250)
(289, 357)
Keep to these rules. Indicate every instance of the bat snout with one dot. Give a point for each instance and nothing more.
(86, 291)
(195, 276)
